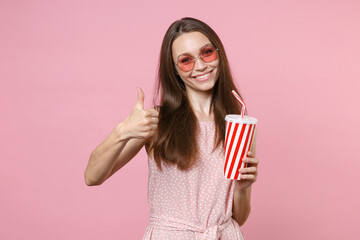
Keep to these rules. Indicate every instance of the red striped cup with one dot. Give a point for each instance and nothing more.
(238, 139)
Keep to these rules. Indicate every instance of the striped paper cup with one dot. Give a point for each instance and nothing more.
(238, 139)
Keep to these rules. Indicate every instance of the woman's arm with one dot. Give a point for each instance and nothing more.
(241, 205)
(122, 144)
(111, 155)
(242, 193)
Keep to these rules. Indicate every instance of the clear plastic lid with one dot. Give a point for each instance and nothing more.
(238, 119)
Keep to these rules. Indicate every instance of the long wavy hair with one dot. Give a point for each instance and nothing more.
(175, 141)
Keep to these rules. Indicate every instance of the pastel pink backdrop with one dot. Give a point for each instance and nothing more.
(69, 72)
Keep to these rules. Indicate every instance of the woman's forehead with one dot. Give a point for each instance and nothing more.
(190, 43)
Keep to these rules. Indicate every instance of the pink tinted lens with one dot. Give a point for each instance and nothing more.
(186, 63)
(209, 54)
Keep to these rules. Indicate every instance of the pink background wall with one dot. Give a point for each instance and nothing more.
(69, 72)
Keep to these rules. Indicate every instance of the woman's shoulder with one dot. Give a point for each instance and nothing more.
(149, 148)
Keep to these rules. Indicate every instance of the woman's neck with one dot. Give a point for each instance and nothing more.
(201, 105)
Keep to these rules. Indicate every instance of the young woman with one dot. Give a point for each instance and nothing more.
(189, 196)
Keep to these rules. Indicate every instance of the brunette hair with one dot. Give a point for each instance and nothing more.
(175, 141)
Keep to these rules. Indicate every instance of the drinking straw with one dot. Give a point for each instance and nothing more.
(241, 101)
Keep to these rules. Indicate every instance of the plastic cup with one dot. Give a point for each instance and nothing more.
(238, 139)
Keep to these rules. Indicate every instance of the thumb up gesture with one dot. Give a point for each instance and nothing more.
(140, 123)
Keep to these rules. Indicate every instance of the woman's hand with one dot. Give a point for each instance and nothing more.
(249, 174)
(140, 123)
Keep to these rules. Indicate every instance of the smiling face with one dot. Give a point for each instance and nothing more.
(203, 76)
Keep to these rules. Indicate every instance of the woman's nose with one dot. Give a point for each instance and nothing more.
(199, 64)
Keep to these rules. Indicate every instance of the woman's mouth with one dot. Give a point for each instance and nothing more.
(203, 77)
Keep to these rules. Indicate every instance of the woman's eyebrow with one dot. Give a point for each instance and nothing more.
(208, 44)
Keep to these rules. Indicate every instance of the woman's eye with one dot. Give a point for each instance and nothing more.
(185, 60)
(208, 51)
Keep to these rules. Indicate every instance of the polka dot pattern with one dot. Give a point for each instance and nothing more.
(194, 204)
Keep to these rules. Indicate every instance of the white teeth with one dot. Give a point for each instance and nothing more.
(203, 76)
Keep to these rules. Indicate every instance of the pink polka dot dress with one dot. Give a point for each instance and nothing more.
(194, 204)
